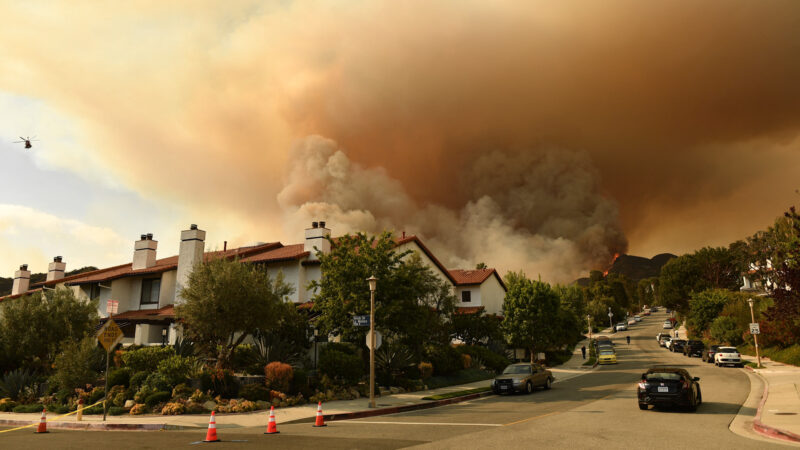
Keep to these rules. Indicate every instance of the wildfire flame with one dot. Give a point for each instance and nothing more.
(616, 255)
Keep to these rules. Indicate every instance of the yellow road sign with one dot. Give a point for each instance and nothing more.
(110, 335)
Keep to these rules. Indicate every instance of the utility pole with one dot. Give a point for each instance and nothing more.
(589, 319)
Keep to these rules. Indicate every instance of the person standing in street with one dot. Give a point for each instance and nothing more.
(583, 351)
(628, 338)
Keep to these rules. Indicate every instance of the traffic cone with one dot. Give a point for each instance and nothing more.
(272, 427)
(320, 420)
(211, 434)
(43, 423)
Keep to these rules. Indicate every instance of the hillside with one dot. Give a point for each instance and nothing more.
(7, 283)
(635, 267)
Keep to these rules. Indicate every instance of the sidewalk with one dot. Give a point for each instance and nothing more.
(778, 413)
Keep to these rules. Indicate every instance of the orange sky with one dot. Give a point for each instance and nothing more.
(535, 135)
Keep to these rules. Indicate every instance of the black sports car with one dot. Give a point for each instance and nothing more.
(669, 386)
(676, 345)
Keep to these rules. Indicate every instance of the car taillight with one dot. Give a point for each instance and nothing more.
(686, 384)
(643, 385)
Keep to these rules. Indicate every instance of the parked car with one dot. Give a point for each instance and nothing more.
(637, 318)
(647, 313)
(708, 354)
(522, 377)
(667, 325)
(676, 345)
(606, 356)
(653, 309)
(728, 356)
(658, 337)
(622, 326)
(667, 386)
(693, 348)
(664, 341)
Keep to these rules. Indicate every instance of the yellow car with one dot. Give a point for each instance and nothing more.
(607, 357)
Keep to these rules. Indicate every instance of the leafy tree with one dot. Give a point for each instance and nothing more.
(411, 302)
(530, 313)
(724, 329)
(776, 254)
(573, 298)
(227, 301)
(677, 281)
(287, 342)
(718, 268)
(33, 327)
(78, 364)
(476, 329)
(480, 265)
(704, 307)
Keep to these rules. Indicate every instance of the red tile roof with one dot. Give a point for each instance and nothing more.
(469, 309)
(474, 276)
(162, 265)
(167, 312)
(286, 253)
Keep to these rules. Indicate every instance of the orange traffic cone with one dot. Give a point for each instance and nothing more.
(272, 427)
(211, 434)
(320, 420)
(43, 423)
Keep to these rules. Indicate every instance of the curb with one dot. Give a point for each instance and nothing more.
(97, 426)
(766, 430)
(394, 409)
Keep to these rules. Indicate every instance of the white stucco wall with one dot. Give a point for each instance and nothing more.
(167, 294)
(425, 260)
(476, 298)
(492, 295)
(293, 274)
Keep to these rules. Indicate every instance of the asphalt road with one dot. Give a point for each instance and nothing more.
(594, 410)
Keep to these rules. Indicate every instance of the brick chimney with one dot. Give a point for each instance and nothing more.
(316, 237)
(56, 269)
(191, 252)
(22, 280)
(144, 252)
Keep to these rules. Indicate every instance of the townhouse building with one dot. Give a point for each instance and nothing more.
(147, 288)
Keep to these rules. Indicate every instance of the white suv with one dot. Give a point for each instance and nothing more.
(667, 325)
(726, 356)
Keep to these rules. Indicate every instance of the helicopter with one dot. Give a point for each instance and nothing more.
(27, 141)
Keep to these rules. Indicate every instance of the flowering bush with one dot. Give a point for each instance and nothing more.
(199, 397)
(173, 408)
(278, 375)
(466, 360)
(139, 408)
(276, 394)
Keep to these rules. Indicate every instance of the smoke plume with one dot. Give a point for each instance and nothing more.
(540, 211)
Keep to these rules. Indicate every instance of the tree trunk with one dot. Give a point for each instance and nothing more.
(533, 356)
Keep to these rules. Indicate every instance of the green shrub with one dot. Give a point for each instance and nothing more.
(182, 391)
(121, 376)
(120, 399)
(143, 393)
(32, 408)
(491, 360)
(63, 395)
(97, 409)
(300, 383)
(137, 379)
(7, 405)
(146, 359)
(74, 365)
(58, 409)
(176, 368)
(254, 392)
(725, 330)
(97, 394)
(446, 360)
(340, 363)
(117, 411)
(158, 397)
(158, 381)
(226, 387)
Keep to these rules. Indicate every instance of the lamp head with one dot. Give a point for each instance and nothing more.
(373, 282)
(750, 302)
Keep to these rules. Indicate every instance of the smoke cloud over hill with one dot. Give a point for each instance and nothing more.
(540, 211)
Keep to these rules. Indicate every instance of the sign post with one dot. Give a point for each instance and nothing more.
(754, 330)
(109, 336)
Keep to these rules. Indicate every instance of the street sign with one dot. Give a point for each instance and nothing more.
(361, 321)
(112, 306)
(378, 339)
(754, 329)
(110, 335)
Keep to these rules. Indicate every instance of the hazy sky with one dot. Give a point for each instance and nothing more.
(543, 136)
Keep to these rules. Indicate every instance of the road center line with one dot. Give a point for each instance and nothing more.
(424, 423)
(531, 418)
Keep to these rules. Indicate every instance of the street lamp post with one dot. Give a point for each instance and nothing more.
(610, 315)
(755, 336)
(589, 319)
(372, 284)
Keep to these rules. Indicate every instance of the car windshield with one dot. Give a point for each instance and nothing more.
(679, 341)
(664, 376)
(727, 350)
(512, 369)
(606, 352)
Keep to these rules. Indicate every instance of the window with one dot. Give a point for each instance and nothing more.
(466, 296)
(94, 291)
(150, 290)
